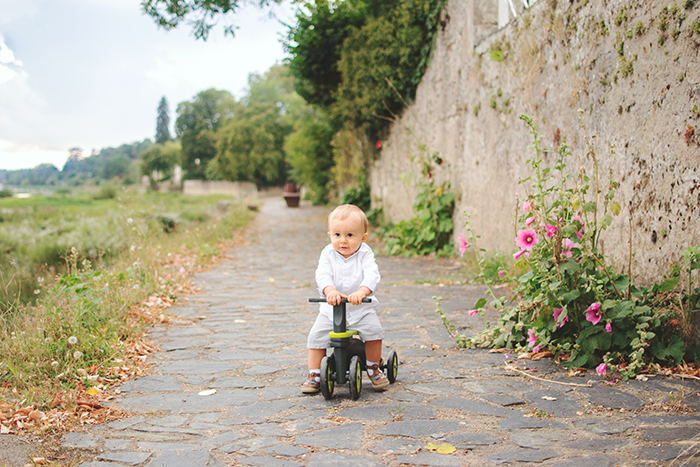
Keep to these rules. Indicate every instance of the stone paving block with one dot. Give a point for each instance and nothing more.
(180, 355)
(503, 400)
(441, 388)
(222, 439)
(238, 354)
(522, 455)
(267, 462)
(597, 461)
(152, 383)
(229, 382)
(612, 398)
(249, 445)
(471, 440)
(79, 440)
(182, 343)
(287, 451)
(259, 370)
(260, 410)
(597, 444)
(131, 458)
(97, 464)
(431, 459)
(272, 393)
(563, 404)
(187, 331)
(537, 439)
(125, 423)
(271, 429)
(672, 433)
(666, 452)
(602, 426)
(346, 436)
(420, 428)
(183, 402)
(179, 459)
(519, 422)
(325, 459)
(195, 367)
(175, 445)
(115, 444)
(475, 407)
(396, 446)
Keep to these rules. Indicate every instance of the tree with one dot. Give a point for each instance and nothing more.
(163, 122)
(196, 125)
(201, 15)
(160, 159)
(251, 143)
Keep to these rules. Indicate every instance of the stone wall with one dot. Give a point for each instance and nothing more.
(557, 58)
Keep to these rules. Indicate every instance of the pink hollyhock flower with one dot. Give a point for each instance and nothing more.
(379, 144)
(531, 337)
(526, 239)
(529, 221)
(551, 230)
(462, 245)
(593, 313)
(566, 244)
(501, 273)
(536, 349)
(528, 206)
(519, 254)
(579, 234)
(601, 369)
(608, 327)
(577, 218)
(472, 312)
(556, 312)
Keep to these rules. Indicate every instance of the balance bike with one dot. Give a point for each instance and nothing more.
(348, 360)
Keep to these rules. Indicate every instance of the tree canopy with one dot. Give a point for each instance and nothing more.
(200, 15)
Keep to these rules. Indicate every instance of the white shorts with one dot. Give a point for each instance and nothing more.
(369, 328)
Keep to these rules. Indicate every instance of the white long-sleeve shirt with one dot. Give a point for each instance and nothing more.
(347, 275)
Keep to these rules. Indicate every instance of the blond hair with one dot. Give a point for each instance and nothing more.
(344, 211)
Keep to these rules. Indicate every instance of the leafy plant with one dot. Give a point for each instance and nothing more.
(568, 299)
(430, 229)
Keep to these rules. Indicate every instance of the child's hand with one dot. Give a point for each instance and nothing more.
(356, 297)
(333, 297)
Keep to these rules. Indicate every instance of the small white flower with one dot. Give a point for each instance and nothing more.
(54, 363)
(77, 354)
(129, 221)
(72, 340)
(48, 339)
(37, 292)
(133, 247)
(40, 280)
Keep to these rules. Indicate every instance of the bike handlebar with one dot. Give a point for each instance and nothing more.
(342, 300)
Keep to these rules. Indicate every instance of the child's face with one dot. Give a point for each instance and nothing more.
(346, 235)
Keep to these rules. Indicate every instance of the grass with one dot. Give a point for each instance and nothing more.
(101, 271)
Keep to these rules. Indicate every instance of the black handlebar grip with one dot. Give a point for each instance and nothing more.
(342, 300)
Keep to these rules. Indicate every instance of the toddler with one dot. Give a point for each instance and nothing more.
(346, 269)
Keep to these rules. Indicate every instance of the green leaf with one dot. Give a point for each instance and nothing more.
(667, 285)
(615, 208)
(569, 266)
(554, 285)
(590, 207)
(570, 296)
(480, 303)
(606, 221)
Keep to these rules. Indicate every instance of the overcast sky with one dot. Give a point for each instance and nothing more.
(90, 73)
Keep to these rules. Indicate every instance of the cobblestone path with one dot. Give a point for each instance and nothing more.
(245, 335)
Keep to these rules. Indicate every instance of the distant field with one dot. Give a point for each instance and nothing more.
(82, 276)
(38, 233)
